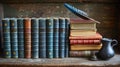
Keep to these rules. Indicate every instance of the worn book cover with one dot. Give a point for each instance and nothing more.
(97, 36)
(84, 42)
(14, 37)
(56, 38)
(42, 37)
(6, 38)
(82, 53)
(49, 37)
(20, 33)
(27, 37)
(62, 37)
(82, 32)
(34, 38)
(85, 47)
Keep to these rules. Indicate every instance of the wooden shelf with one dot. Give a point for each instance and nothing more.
(70, 62)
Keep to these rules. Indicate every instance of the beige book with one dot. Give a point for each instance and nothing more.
(82, 32)
(85, 47)
(83, 26)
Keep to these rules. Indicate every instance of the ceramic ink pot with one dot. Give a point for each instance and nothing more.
(107, 52)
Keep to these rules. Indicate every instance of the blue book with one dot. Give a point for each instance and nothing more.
(20, 33)
(62, 37)
(6, 38)
(67, 25)
(35, 38)
(14, 39)
(56, 38)
(49, 37)
(42, 37)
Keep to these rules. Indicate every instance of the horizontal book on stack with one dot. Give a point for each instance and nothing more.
(84, 37)
(84, 53)
(35, 37)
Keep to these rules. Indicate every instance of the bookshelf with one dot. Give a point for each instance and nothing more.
(66, 62)
(105, 11)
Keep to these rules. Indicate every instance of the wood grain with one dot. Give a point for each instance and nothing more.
(65, 62)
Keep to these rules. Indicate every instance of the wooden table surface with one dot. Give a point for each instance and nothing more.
(66, 62)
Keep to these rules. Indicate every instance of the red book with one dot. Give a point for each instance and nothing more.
(97, 36)
(85, 41)
(27, 38)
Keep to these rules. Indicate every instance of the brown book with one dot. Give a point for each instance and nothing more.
(85, 47)
(27, 37)
(82, 32)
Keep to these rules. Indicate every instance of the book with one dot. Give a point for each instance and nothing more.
(67, 31)
(55, 38)
(82, 32)
(86, 53)
(14, 38)
(6, 38)
(82, 24)
(62, 37)
(49, 37)
(97, 36)
(84, 42)
(85, 47)
(1, 33)
(27, 37)
(42, 37)
(20, 32)
(34, 38)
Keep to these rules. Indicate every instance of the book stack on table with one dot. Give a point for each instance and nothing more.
(84, 38)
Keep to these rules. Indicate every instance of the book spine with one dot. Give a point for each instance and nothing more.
(1, 33)
(97, 36)
(14, 39)
(62, 37)
(1, 38)
(85, 47)
(67, 25)
(6, 38)
(20, 37)
(56, 38)
(49, 37)
(81, 53)
(85, 42)
(35, 37)
(27, 37)
(42, 37)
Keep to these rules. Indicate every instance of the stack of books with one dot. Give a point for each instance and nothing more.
(84, 38)
(35, 37)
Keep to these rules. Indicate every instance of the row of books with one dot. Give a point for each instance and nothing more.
(35, 37)
(84, 38)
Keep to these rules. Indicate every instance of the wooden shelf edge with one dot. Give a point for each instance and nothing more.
(65, 62)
